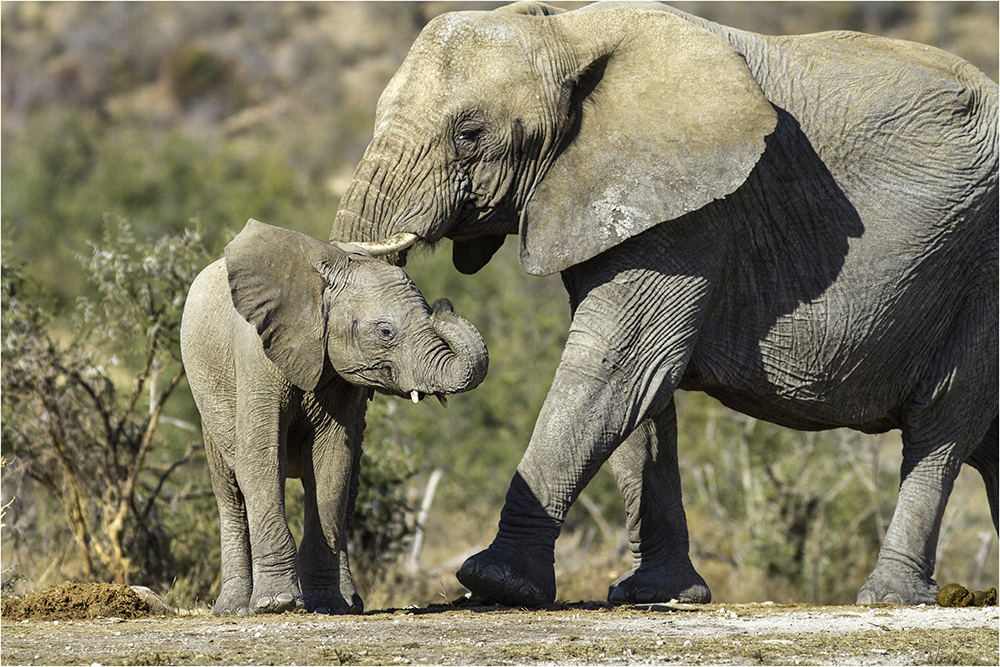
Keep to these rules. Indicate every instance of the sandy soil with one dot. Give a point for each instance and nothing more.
(580, 633)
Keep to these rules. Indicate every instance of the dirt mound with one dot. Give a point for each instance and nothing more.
(70, 601)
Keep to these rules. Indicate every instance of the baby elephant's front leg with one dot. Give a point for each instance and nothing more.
(322, 561)
(275, 580)
(260, 472)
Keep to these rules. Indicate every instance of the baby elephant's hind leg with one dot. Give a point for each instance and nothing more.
(237, 578)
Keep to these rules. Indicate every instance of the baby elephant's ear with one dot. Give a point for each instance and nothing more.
(277, 286)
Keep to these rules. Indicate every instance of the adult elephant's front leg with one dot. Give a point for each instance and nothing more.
(630, 339)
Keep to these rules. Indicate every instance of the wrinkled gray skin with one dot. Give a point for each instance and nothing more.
(803, 227)
(281, 340)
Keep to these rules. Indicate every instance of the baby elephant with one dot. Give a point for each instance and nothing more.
(282, 340)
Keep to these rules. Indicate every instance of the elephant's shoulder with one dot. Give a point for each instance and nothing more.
(207, 301)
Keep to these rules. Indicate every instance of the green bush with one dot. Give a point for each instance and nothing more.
(193, 72)
(82, 438)
(69, 171)
(383, 524)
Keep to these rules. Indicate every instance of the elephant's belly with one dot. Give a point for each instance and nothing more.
(810, 415)
(790, 380)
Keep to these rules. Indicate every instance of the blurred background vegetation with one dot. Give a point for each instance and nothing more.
(137, 138)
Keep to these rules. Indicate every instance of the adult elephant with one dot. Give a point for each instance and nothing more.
(803, 227)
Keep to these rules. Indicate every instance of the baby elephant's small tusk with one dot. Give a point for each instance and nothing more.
(441, 399)
(415, 395)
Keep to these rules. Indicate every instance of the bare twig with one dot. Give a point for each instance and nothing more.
(192, 448)
(425, 508)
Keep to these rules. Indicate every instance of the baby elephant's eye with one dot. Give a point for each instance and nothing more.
(385, 331)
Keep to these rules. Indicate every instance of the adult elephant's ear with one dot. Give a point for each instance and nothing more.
(276, 278)
(663, 118)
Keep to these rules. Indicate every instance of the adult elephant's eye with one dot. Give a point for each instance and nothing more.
(469, 135)
(467, 139)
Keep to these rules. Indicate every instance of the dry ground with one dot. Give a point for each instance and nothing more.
(463, 633)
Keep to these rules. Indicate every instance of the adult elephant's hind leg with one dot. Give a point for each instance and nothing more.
(933, 453)
(985, 460)
(944, 427)
(904, 573)
(646, 469)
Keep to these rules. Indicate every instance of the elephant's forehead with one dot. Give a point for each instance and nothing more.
(371, 273)
(461, 57)
(383, 282)
(468, 30)
(471, 47)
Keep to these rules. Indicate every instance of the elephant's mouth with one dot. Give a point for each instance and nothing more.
(417, 396)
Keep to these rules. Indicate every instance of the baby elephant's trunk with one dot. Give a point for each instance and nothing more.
(464, 367)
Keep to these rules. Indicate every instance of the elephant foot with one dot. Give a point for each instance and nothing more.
(231, 609)
(276, 604)
(647, 586)
(509, 578)
(897, 584)
(234, 600)
(332, 602)
(355, 605)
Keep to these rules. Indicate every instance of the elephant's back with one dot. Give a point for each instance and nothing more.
(904, 128)
(206, 345)
(206, 311)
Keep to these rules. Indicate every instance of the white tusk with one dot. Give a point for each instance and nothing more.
(442, 400)
(415, 395)
(400, 241)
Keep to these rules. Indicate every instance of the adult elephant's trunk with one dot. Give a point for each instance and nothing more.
(463, 366)
(373, 199)
(361, 209)
(360, 217)
(393, 200)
